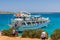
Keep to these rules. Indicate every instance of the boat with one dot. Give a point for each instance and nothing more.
(25, 21)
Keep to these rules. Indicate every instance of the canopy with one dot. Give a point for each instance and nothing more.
(18, 14)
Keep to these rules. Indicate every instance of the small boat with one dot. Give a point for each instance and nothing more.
(24, 21)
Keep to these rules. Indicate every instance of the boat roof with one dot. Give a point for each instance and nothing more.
(35, 16)
(18, 19)
(22, 14)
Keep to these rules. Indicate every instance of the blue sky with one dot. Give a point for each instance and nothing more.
(30, 5)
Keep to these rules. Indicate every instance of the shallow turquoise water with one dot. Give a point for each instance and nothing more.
(5, 19)
(54, 24)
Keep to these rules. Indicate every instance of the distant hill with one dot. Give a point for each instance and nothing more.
(7, 12)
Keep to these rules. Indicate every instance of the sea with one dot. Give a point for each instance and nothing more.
(54, 23)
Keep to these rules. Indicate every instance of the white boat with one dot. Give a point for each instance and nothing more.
(24, 21)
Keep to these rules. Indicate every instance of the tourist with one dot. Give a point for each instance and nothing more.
(13, 31)
(16, 33)
(43, 35)
(0, 33)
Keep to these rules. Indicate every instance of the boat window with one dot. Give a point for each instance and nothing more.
(41, 22)
(33, 22)
(20, 17)
(37, 22)
(16, 17)
(28, 23)
(23, 23)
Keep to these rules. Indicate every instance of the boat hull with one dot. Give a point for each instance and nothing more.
(32, 26)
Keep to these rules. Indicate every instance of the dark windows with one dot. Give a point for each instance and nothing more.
(29, 23)
(37, 22)
(23, 23)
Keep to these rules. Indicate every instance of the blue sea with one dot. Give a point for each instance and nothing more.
(5, 19)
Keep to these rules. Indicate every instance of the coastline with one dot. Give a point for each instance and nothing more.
(7, 12)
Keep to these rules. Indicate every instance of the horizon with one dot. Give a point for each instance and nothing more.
(30, 5)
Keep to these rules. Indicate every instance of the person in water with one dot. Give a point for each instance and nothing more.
(43, 35)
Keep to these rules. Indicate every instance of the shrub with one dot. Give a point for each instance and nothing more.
(56, 34)
(36, 33)
(7, 32)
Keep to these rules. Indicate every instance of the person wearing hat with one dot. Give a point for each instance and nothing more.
(43, 35)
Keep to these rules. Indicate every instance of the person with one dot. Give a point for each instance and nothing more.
(43, 35)
(13, 32)
(16, 24)
(16, 33)
(0, 33)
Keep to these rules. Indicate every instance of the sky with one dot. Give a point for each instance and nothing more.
(30, 5)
